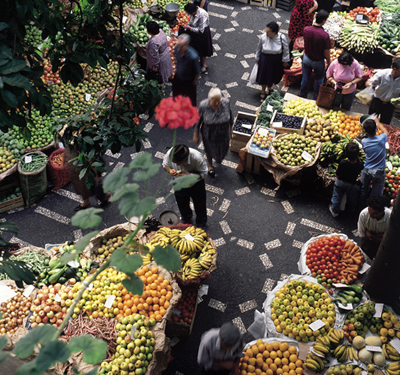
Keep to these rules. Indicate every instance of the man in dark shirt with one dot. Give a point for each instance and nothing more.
(187, 69)
(346, 177)
(316, 49)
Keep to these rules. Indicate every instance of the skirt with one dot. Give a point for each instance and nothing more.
(270, 69)
(216, 140)
(202, 42)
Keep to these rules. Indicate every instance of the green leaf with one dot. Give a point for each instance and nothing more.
(133, 284)
(94, 350)
(184, 181)
(17, 80)
(169, 258)
(85, 240)
(3, 26)
(29, 369)
(26, 344)
(13, 66)
(145, 175)
(1, 84)
(122, 262)
(52, 353)
(9, 98)
(127, 203)
(3, 356)
(128, 188)
(6, 52)
(115, 180)
(142, 208)
(68, 256)
(143, 161)
(88, 218)
(3, 342)
(88, 139)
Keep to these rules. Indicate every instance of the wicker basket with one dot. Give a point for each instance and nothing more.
(58, 175)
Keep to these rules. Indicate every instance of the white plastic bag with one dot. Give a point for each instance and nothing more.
(253, 74)
(365, 96)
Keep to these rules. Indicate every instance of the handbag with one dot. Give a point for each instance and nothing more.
(326, 96)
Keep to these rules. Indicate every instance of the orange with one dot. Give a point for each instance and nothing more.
(292, 372)
(279, 353)
(283, 346)
(299, 370)
(269, 372)
(265, 367)
(269, 347)
(279, 371)
(249, 353)
(273, 354)
(292, 350)
(277, 361)
(299, 363)
(252, 361)
(292, 366)
(261, 347)
(275, 345)
(269, 361)
(266, 354)
(286, 354)
(259, 362)
(293, 358)
(285, 368)
(251, 369)
(258, 371)
(273, 367)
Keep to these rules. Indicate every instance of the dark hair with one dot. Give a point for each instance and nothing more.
(396, 63)
(345, 58)
(352, 151)
(273, 26)
(190, 8)
(153, 27)
(180, 153)
(321, 16)
(376, 202)
(369, 126)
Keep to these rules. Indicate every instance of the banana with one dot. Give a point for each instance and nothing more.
(351, 352)
(312, 364)
(355, 354)
(339, 351)
(322, 348)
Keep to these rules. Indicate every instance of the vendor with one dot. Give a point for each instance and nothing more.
(372, 224)
(387, 86)
(220, 350)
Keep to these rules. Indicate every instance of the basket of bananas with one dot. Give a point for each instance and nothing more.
(197, 251)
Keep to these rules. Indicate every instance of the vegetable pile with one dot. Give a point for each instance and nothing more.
(273, 102)
(333, 259)
(389, 34)
(392, 181)
(389, 6)
(299, 107)
(359, 37)
(333, 25)
(289, 149)
(372, 13)
(139, 31)
(9, 194)
(37, 162)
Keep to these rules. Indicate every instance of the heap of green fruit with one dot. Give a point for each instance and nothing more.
(7, 159)
(139, 32)
(33, 36)
(299, 303)
(111, 244)
(135, 346)
(10, 193)
(320, 129)
(348, 370)
(302, 108)
(360, 320)
(289, 149)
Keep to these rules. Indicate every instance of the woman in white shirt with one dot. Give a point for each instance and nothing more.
(199, 30)
(272, 56)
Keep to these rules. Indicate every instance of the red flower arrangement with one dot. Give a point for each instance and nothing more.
(176, 112)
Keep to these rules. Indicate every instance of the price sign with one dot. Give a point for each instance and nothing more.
(277, 124)
(28, 159)
(364, 268)
(339, 285)
(378, 310)
(364, 373)
(6, 293)
(317, 325)
(398, 171)
(247, 126)
(389, 165)
(349, 306)
(144, 1)
(359, 17)
(387, 146)
(124, 19)
(28, 291)
(270, 108)
(57, 298)
(306, 156)
(90, 286)
(133, 330)
(73, 264)
(189, 237)
(87, 97)
(109, 301)
(376, 349)
(262, 131)
(396, 344)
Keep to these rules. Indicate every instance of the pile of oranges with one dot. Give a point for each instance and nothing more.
(154, 301)
(277, 358)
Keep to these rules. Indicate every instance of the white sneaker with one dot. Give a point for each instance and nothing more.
(331, 211)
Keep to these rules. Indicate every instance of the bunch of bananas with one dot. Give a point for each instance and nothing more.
(192, 269)
(334, 152)
(390, 352)
(393, 368)
(315, 363)
(345, 352)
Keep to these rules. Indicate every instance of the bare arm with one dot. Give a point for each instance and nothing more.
(327, 56)
(380, 126)
(313, 8)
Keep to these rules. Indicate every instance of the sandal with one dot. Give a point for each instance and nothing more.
(211, 173)
(204, 70)
(78, 208)
(262, 97)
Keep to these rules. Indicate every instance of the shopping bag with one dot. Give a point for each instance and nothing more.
(253, 74)
(326, 95)
(365, 96)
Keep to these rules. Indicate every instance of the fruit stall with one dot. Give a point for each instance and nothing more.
(135, 327)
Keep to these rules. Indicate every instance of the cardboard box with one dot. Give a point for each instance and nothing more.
(258, 3)
(12, 203)
(243, 137)
(175, 329)
(281, 129)
(235, 146)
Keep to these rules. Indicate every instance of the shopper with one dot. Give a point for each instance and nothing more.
(272, 56)
(317, 45)
(373, 174)
(215, 125)
(220, 350)
(187, 69)
(199, 30)
(346, 179)
(158, 57)
(186, 161)
(301, 17)
(372, 224)
(387, 86)
(201, 4)
(344, 73)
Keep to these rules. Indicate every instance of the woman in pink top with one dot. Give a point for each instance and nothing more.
(344, 73)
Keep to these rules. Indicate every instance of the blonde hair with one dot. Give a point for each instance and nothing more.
(215, 91)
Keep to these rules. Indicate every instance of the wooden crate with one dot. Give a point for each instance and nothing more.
(253, 164)
(235, 146)
(12, 203)
(288, 130)
(243, 137)
(258, 3)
